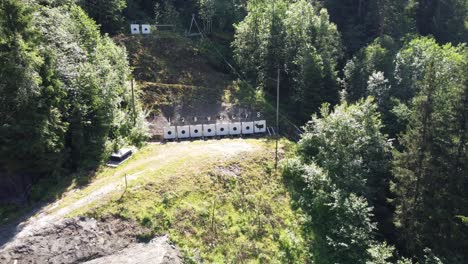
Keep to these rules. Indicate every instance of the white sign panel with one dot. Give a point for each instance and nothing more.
(135, 29)
(209, 130)
(222, 129)
(170, 132)
(183, 131)
(196, 131)
(247, 127)
(234, 129)
(260, 126)
(145, 29)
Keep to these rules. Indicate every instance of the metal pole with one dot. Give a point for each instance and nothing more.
(133, 104)
(277, 118)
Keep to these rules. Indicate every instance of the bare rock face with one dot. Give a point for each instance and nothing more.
(87, 240)
(157, 251)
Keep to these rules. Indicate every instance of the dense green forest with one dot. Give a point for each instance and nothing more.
(65, 93)
(380, 87)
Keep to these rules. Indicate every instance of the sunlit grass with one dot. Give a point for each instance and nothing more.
(217, 208)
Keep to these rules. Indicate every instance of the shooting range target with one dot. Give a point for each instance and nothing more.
(170, 133)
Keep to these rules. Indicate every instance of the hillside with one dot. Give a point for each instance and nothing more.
(179, 77)
(369, 100)
(216, 200)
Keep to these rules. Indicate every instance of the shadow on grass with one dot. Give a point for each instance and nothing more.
(296, 187)
(14, 215)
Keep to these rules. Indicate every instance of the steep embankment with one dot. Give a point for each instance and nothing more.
(177, 77)
(217, 200)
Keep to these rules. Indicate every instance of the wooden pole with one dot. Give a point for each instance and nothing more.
(277, 118)
(133, 104)
(125, 190)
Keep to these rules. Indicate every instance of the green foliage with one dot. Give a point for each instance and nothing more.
(348, 143)
(430, 170)
(342, 166)
(376, 57)
(166, 13)
(228, 13)
(423, 96)
(294, 37)
(380, 254)
(107, 13)
(69, 103)
(360, 22)
(392, 76)
(378, 87)
(31, 98)
(413, 60)
(446, 20)
(221, 14)
(255, 36)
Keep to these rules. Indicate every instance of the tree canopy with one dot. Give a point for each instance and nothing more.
(296, 38)
(65, 89)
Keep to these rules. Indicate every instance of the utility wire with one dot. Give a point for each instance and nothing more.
(284, 116)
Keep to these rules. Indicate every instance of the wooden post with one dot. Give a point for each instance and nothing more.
(125, 190)
(133, 105)
(277, 118)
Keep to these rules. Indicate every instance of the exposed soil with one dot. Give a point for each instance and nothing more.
(232, 171)
(158, 250)
(87, 240)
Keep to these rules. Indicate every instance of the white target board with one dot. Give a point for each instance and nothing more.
(247, 128)
(183, 131)
(222, 129)
(209, 130)
(235, 129)
(260, 126)
(170, 133)
(145, 29)
(135, 29)
(196, 131)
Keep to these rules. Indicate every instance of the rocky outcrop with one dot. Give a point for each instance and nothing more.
(86, 240)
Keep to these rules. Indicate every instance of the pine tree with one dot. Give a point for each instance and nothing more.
(430, 174)
(20, 86)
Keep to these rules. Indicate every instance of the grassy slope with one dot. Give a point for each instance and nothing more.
(178, 76)
(228, 209)
(172, 70)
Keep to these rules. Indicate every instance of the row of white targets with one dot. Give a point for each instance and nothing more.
(212, 130)
(135, 29)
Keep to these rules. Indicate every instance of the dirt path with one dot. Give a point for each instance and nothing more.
(44, 218)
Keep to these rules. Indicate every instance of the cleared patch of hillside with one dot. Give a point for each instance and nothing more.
(224, 209)
(181, 78)
(218, 201)
(176, 74)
